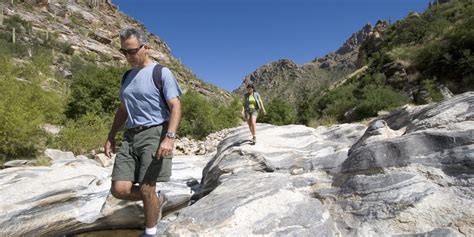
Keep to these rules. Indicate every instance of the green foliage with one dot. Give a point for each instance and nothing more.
(324, 120)
(438, 43)
(306, 107)
(42, 161)
(377, 98)
(20, 25)
(411, 30)
(90, 57)
(94, 90)
(434, 93)
(201, 117)
(24, 107)
(64, 47)
(336, 102)
(452, 59)
(279, 112)
(365, 97)
(84, 134)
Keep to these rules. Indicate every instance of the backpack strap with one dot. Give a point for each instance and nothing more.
(157, 79)
(125, 76)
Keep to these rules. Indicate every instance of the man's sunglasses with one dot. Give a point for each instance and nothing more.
(131, 51)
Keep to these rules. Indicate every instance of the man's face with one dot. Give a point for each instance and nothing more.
(134, 52)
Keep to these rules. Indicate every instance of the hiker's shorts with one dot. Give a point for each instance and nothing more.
(136, 160)
(251, 112)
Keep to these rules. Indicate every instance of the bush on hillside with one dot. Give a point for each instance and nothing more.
(411, 30)
(337, 101)
(432, 90)
(279, 112)
(200, 116)
(83, 135)
(305, 107)
(24, 107)
(377, 98)
(451, 60)
(94, 90)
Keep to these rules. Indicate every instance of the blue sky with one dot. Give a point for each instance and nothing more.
(222, 41)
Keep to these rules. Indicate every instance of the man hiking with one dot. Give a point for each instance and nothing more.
(151, 110)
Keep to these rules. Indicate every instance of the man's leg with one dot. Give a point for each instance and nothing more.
(125, 190)
(150, 203)
(124, 172)
(150, 170)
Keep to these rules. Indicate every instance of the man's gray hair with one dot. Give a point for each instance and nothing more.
(128, 32)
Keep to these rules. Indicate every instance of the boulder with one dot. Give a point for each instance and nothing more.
(73, 196)
(54, 154)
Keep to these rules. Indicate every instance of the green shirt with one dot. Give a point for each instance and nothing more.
(252, 102)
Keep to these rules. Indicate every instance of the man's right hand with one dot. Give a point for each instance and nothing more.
(109, 147)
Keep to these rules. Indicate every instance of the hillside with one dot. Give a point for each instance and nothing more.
(60, 76)
(87, 29)
(284, 77)
(425, 57)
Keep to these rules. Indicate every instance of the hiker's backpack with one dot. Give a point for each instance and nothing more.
(156, 79)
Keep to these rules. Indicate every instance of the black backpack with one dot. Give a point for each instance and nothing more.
(156, 79)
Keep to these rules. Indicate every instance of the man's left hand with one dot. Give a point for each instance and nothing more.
(166, 148)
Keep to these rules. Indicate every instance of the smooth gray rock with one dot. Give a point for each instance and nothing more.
(18, 163)
(72, 196)
(54, 154)
(343, 180)
(414, 181)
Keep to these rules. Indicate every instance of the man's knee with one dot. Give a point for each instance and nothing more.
(147, 191)
(120, 190)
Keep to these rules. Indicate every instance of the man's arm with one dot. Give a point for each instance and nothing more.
(175, 114)
(119, 121)
(167, 145)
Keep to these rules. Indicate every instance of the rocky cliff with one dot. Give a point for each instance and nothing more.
(284, 77)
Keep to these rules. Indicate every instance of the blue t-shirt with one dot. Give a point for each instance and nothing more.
(142, 99)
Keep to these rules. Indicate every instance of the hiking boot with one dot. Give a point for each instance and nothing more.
(162, 201)
(254, 140)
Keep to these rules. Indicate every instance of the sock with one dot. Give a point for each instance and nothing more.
(151, 231)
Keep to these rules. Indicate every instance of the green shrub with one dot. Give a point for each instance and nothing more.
(279, 112)
(24, 107)
(84, 134)
(452, 59)
(305, 107)
(324, 120)
(65, 47)
(94, 90)
(336, 102)
(201, 117)
(434, 93)
(376, 99)
(90, 57)
(21, 26)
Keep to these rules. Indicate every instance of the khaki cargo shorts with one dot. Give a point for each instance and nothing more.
(136, 160)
